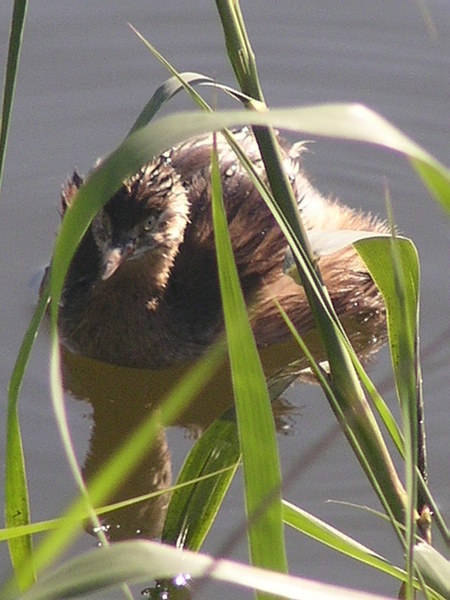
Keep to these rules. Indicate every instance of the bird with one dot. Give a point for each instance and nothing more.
(142, 289)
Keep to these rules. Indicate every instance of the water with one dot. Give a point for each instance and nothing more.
(84, 77)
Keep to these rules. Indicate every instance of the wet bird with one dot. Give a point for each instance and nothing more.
(142, 289)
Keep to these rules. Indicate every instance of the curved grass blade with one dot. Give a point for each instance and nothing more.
(17, 511)
(176, 83)
(349, 121)
(170, 88)
(141, 561)
(401, 316)
(439, 187)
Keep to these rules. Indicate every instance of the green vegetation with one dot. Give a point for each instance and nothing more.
(230, 441)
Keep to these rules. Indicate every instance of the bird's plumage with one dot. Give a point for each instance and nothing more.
(142, 289)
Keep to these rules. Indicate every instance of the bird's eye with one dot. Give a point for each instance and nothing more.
(150, 222)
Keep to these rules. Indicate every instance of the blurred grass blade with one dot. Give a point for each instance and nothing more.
(17, 511)
(126, 457)
(12, 64)
(141, 561)
(434, 568)
(346, 120)
(438, 186)
(49, 524)
(325, 243)
(60, 413)
(256, 427)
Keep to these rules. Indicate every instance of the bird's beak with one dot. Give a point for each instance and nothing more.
(113, 258)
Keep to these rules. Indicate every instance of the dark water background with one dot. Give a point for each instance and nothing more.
(83, 79)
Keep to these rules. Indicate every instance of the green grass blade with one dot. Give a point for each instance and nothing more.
(326, 534)
(383, 410)
(401, 316)
(329, 536)
(12, 64)
(17, 510)
(437, 186)
(239, 49)
(256, 427)
(363, 435)
(396, 273)
(192, 510)
(16, 493)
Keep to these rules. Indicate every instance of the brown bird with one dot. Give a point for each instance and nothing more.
(142, 289)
